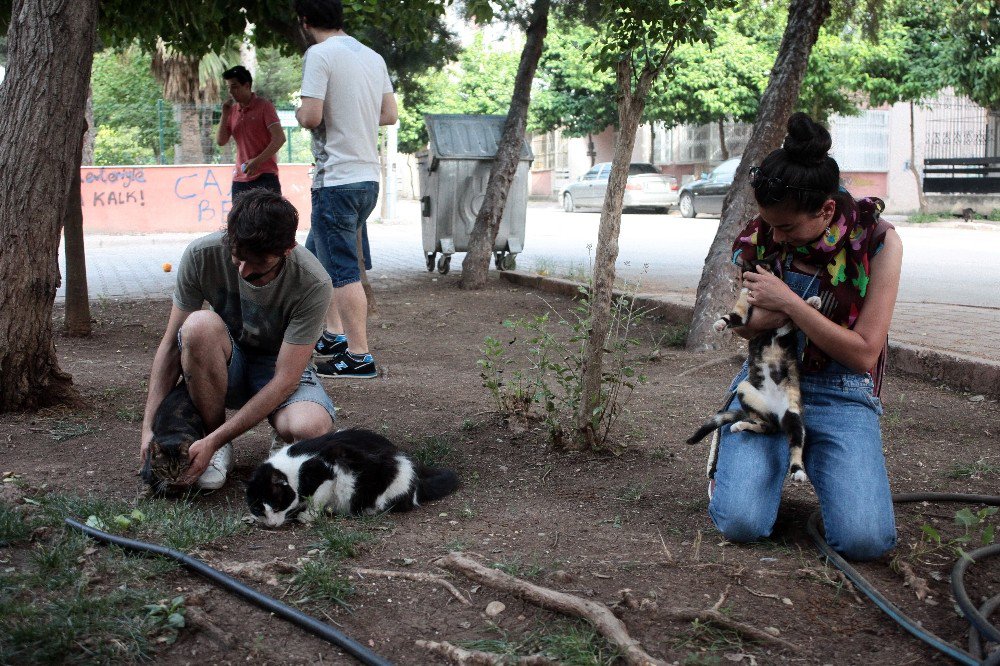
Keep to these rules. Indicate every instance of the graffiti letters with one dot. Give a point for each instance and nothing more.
(121, 177)
(203, 187)
(119, 198)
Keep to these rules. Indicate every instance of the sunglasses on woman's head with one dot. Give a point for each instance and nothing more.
(773, 189)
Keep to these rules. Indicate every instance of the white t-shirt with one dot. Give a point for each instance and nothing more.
(350, 78)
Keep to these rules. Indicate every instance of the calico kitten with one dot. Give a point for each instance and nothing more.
(769, 396)
(176, 426)
(351, 471)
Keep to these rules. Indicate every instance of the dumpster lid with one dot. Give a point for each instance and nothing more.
(467, 137)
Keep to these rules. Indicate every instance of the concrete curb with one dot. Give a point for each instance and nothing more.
(957, 371)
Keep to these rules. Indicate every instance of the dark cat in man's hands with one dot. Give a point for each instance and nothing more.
(770, 397)
(350, 472)
(176, 426)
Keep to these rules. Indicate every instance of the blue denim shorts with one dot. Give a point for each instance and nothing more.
(338, 212)
(249, 373)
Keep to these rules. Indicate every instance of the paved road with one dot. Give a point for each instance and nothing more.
(949, 295)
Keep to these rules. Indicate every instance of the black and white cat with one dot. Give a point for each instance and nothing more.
(352, 471)
(770, 396)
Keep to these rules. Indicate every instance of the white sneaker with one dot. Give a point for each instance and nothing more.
(219, 466)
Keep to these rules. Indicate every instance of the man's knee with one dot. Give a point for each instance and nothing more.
(202, 327)
(302, 420)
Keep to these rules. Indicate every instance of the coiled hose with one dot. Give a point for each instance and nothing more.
(978, 617)
(310, 624)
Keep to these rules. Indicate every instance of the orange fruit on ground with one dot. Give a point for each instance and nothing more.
(167, 267)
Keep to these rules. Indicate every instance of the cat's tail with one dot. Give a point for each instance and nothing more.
(433, 483)
(714, 423)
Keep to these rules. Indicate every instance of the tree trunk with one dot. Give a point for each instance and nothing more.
(716, 288)
(50, 46)
(77, 323)
(722, 140)
(630, 107)
(91, 136)
(476, 265)
(921, 197)
(189, 150)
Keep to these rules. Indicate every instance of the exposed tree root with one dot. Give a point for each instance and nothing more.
(597, 614)
(417, 576)
(465, 657)
(714, 616)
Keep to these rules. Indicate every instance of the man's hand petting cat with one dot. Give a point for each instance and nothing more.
(768, 291)
(199, 455)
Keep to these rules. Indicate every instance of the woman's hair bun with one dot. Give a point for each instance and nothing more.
(807, 142)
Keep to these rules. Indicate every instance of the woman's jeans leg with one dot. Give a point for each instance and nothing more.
(843, 457)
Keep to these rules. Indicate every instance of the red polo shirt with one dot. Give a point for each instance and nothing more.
(248, 125)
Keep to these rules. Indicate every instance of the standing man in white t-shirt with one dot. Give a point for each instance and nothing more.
(346, 95)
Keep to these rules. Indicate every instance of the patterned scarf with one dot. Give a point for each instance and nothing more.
(842, 254)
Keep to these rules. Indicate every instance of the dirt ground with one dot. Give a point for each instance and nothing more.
(579, 522)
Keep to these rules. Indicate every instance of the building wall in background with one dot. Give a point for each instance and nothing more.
(162, 199)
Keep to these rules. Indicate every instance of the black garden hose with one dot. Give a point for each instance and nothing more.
(310, 624)
(980, 626)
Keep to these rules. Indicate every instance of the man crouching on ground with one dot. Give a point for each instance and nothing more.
(250, 352)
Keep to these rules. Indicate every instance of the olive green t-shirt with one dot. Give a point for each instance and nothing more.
(290, 308)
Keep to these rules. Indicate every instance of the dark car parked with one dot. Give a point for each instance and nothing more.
(705, 195)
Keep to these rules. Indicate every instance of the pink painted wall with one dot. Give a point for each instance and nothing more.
(866, 184)
(157, 199)
(541, 183)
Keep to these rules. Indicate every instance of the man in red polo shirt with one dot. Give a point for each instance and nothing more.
(253, 122)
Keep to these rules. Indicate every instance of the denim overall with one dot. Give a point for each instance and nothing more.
(843, 458)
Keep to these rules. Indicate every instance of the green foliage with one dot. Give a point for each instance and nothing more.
(974, 50)
(570, 94)
(978, 529)
(67, 602)
(13, 527)
(908, 63)
(564, 642)
(433, 451)
(708, 82)
(166, 618)
(480, 82)
(539, 373)
(830, 79)
(124, 97)
(321, 580)
(121, 146)
(338, 540)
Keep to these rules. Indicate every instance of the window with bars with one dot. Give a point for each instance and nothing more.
(861, 143)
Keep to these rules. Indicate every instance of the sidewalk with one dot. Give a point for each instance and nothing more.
(956, 344)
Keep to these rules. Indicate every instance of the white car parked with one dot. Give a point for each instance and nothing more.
(646, 188)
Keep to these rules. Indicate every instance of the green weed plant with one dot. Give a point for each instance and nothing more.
(538, 371)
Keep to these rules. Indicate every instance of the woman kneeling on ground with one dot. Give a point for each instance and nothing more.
(829, 244)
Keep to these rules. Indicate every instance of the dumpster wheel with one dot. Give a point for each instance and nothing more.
(505, 261)
(444, 264)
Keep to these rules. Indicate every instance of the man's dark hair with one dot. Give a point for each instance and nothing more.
(324, 14)
(240, 73)
(261, 222)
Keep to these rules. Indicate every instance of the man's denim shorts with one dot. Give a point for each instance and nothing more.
(248, 374)
(337, 214)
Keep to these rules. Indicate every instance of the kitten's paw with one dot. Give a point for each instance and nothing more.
(720, 325)
(815, 301)
(799, 476)
(740, 426)
(307, 517)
